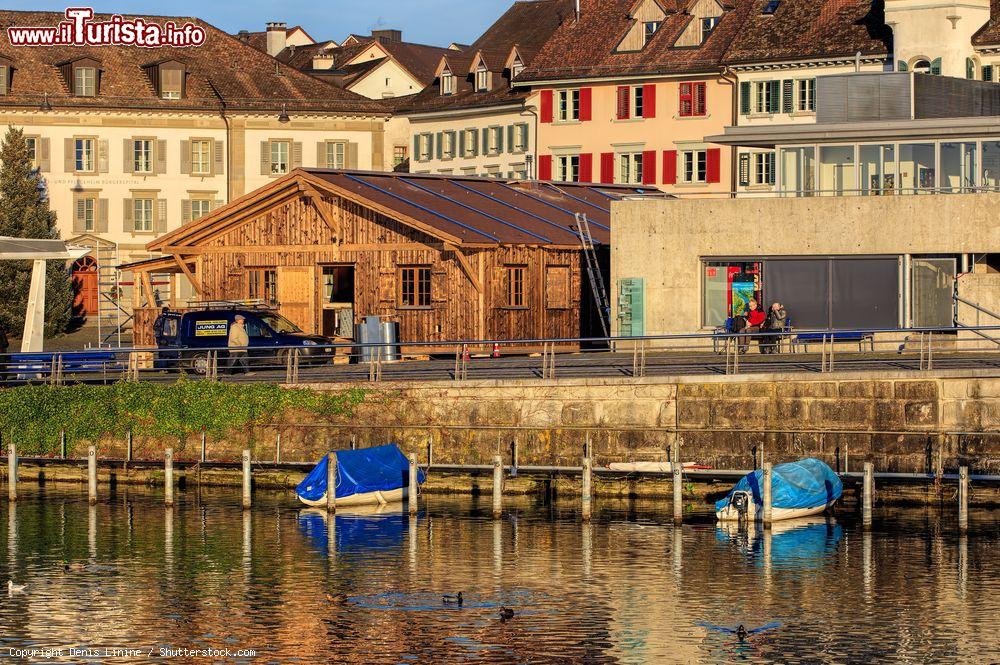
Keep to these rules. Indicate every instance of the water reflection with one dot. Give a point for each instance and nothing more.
(366, 587)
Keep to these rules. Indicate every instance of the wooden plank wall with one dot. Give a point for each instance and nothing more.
(377, 245)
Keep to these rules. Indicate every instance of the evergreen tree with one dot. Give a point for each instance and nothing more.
(24, 213)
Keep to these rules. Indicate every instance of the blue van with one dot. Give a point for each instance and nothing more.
(194, 333)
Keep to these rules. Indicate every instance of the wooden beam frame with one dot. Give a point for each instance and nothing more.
(147, 287)
(317, 200)
(182, 263)
(463, 261)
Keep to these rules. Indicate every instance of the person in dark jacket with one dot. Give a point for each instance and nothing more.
(776, 322)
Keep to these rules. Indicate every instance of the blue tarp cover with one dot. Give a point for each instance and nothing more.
(804, 484)
(381, 468)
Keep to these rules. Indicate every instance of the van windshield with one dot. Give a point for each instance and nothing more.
(279, 323)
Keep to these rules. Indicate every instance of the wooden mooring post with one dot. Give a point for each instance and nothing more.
(62, 443)
(12, 471)
(587, 488)
(963, 499)
(411, 494)
(168, 477)
(677, 472)
(128, 446)
(92, 475)
(766, 486)
(867, 492)
(247, 481)
(331, 483)
(497, 486)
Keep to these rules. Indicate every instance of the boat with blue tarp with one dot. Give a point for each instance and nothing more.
(369, 476)
(798, 489)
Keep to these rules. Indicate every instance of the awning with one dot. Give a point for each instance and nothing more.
(159, 264)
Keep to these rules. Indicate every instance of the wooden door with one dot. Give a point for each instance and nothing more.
(297, 294)
(86, 296)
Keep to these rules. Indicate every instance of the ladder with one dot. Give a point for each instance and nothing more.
(594, 272)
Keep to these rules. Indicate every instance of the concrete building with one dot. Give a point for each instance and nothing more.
(471, 120)
(133, 142)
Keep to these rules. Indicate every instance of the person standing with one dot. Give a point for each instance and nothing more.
(777, 322)
(239, 340)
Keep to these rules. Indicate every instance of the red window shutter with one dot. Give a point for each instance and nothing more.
(669, 167)
(649, 167)
(623, 102)
(649, 101)
(699, 98)
(685, 107)
(607, 167)
(545, 167)
(546, 106)
(586, 167)
(585, 114)
(713, 165)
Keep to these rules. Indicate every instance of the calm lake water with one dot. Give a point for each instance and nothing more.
(629, 588)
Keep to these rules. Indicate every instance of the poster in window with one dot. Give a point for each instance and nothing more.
(926, 178)
(743, 290)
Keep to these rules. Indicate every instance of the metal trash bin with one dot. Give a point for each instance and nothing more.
(373, 330)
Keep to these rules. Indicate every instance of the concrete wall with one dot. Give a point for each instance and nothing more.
(664, 241)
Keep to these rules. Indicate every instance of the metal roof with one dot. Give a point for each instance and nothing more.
(36, 248)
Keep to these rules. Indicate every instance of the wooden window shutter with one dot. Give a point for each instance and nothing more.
(510, 138)
(770, 168)
(352, 156)
(669, 167)
(321, 156)
(160, 157)
(586, 167)
(128, 156)
(220, 157)
(545, 167)
(265, 158)
(649, 167)
(160, 210)
(901, 66)
(69, 155)
(4, 79)
(500, 144)
(102, 215)
(185, 211)
(439, 144)
(623, 102)
(185, 157)
(745, 98)
(102, 156)
(216, 204)
(461, 143)
(685, 104)
(787, 105)
(416, 149)
(936, 66)
(79, 225)
(713, 165)
(774, 104)
(586, 95)
(744, 174)
(475, 143)
(44, 159)
(607, 167)
(546, 104)
(296, 154)
(128, 212)
(987, 76)
(970, 68)
(698, 89)
(649, 101)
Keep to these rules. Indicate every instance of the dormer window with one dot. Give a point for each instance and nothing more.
(707, 26)
(171, 80)
(447, 83)
(482, 79)
(85, 81)
(516, 69)
(5, 75)
(649, 28)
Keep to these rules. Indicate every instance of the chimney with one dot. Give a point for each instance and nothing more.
(388, 36)
(322, 61)
(277, 33)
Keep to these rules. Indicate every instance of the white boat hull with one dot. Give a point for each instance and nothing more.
(730, 514)
(366, 499)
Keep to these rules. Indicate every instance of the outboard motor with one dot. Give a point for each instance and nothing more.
(741, 502)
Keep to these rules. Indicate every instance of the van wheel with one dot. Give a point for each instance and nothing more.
(199, 364)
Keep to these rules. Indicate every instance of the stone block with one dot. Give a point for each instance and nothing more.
(579, 413)
(856, 389)
(633, 413)
(923, 390)
(842, 413)
(921, 414)
(694, 413)
(541, 413)
(699, 390)
(748, 413)
(989, 410)
(788, 413)
(668, 414)
(806, 389)
(745, 390)
(958, 388)
(890, 416)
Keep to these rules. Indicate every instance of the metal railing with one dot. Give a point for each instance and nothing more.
(802, 351)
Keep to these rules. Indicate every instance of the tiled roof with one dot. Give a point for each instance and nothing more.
(463, 210)
(527, 25)
(989, 34)
(586, 48)
(811, 29)
(245, 78)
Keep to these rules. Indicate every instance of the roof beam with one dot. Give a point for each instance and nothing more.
(463, 262)
(182, 262)
(317, 200)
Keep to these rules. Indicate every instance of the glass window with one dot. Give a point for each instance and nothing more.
(707, 26)
(727, 288)
(447, 83)
(85, 211)
(836, 170)
(32, 143)
(630, 168)
(494, 134)
(142, 156)
(694, 165)
(917, 172)
(200, 208)
(649, 29)
(991, 165)
(637, 93)
(414, 286)
(798, 171)
(877, 167)
(279, 157)
(171, 82)
(425, 147)
(142, 213)
(958, 167)
(761, 168)
(805, 95)
(85, 81)
(520, 138)
(515, 286)
(692, 99)
(335, 155)
(762, 97)
(567, 168)
(84, 155)
(262, 284)
(398, 155)
(482, 79)
(201, 161)
(568, 105)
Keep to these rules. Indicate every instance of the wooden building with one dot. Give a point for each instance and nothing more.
(449, 258)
